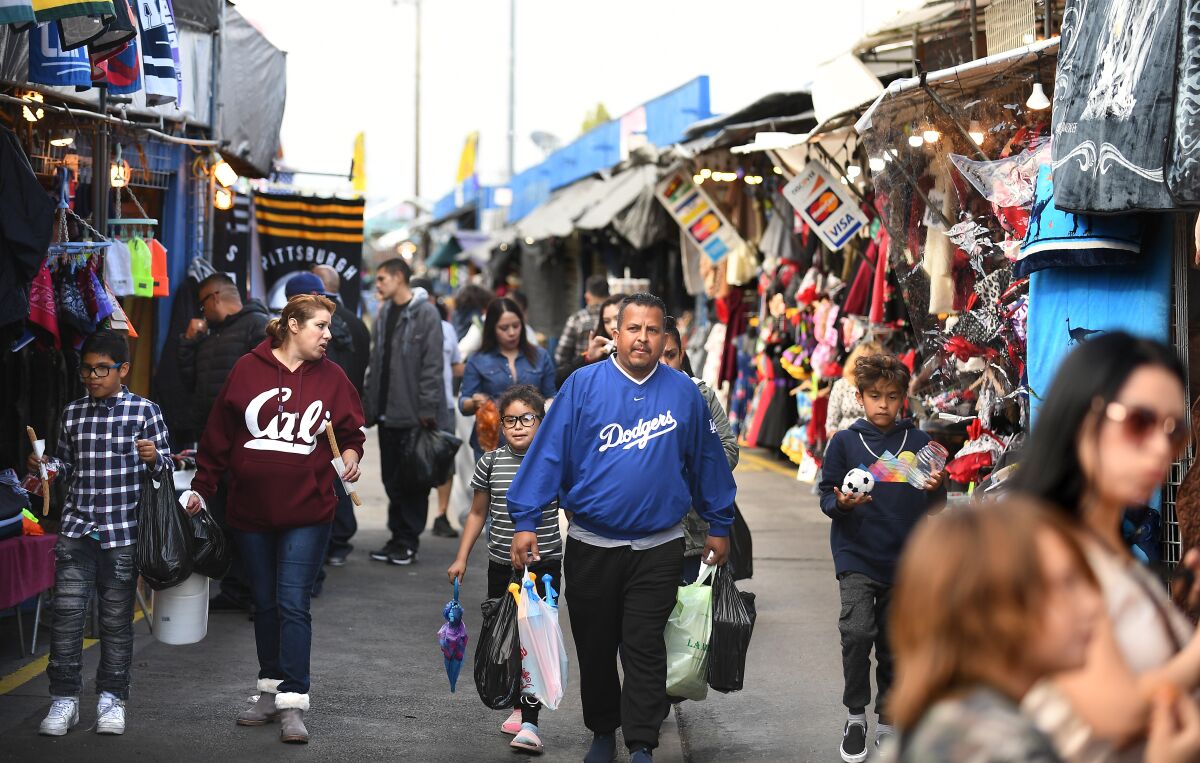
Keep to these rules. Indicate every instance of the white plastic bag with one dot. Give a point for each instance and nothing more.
(543, 653)
(688, 631)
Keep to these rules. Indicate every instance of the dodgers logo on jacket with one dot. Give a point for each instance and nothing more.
(615, 435)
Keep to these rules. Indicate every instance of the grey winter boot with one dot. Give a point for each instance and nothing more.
(291, 717)
(264, 710)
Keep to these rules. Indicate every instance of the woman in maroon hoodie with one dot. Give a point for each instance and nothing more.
(267, 430)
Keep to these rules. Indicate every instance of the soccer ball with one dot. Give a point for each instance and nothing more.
(858, 482)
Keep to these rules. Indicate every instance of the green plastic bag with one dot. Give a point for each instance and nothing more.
(688, 631)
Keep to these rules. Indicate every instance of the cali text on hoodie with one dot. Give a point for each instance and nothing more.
(868, 539)
(267, 432)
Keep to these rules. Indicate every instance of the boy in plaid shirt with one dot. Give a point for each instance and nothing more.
(109, 439)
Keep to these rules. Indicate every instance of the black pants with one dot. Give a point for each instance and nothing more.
(863, 625)
(82, 569)
(236, 583)
(620, 599)
(499, 576)
(408, 509)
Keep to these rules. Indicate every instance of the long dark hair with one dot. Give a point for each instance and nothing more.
(1095, 371)
(671, 329)
(615, 299)
(498, 307)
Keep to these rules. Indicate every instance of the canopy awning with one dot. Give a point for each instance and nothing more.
(617, 195)
(445, 255)
(557, 216)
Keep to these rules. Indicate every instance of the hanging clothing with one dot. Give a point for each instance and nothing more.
(118, 269)
(160, 52)
(142, 267)
(26, 224)
(52, 10)
(50, 65)
(16, 12)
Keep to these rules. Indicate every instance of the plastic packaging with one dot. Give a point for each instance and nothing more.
(732, 625)
(498, 654)
(429, 458)
(164, 550)
(688, 631)
(543, 652)
(741, 547)
(930, 460)
(487, 426)
(211, 555)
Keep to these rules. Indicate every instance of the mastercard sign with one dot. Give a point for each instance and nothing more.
(823, 203)
(697, 216)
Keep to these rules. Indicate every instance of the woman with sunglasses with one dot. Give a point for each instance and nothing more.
(1105, 438)
(521, 412)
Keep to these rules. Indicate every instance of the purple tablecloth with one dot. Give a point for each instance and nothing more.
(26, 567)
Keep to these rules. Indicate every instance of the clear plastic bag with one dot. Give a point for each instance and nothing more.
(543, 652)
(732, 625)
(687, 634)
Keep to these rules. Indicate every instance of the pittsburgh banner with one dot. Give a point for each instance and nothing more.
(231, 242)
(296, 233)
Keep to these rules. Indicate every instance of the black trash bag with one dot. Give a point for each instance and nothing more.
(733, 615)
(428, 458)
(498, 654)
(212, 554)
(164, 545)
(741, 547)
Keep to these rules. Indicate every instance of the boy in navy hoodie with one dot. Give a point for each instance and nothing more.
(868, 533)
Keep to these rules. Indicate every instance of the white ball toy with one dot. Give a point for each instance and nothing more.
(858, 482)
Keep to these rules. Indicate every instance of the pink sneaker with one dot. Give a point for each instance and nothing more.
(527, 740)
(512, 726)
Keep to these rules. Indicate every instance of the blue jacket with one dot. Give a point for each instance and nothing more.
(628, 458)
(868, 539)
(488, 372)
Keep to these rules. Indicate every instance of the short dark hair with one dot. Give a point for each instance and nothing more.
(597, 286)
(527, 394)
(870, 370)
(671, 329)
(106, 342)
(222, 279)
(397, 267)
(422, 283)
(642, 299)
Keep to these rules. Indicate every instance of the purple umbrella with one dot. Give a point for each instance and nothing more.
(452, 637)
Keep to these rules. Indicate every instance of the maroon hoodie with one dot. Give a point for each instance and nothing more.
(267, 432)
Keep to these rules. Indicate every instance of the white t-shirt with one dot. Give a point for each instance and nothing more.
(450, 357)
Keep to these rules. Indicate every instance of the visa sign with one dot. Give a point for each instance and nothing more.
(822, 202)
(697, 216)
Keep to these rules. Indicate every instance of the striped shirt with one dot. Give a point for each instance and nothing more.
(493, 474)
(97, 452)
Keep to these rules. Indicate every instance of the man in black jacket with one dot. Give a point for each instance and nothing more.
(207, 352)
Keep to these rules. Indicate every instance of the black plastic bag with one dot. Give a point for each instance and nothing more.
(733, 615)
(212, 555)
(741, 547)
(428, 458)
(164, 545)
(498, 654)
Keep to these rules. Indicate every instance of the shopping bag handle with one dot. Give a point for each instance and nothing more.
(456, 589)
(705, 571)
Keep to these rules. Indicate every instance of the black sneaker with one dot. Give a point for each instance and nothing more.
(854, 742)
(384, 553)
(442, 528)
(338, 558)
(402, 555)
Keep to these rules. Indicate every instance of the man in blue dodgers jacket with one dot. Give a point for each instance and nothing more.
(628, 446)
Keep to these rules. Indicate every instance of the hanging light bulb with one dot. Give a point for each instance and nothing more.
(853, 171)
(62, 138)
(914, 136)
(35, 113)
(706, 173)
(222, 198)
(976, 132)
(224, 174)
(118, 174)
(1037, 99)
(877, 164)
(930, 133)
(778, 170)
(697, 179)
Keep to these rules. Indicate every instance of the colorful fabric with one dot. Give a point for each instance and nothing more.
(158, 269)
(118, 269)
(52, 10)
(97, 454)
(16, 11)
(49, 64)
(123, 72)
(141, 264)
(43, 309)
(160, 52)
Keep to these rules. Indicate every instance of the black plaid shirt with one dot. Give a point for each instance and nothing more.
(97, 452)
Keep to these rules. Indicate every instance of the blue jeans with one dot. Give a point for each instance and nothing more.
(282, 567)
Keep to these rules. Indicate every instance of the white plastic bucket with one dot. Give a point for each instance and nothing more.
(181, 613)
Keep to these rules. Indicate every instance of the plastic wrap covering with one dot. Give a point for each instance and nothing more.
(253, 94)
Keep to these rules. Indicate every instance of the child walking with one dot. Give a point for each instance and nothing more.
(868, 533)
(522, 409)
(109, 439)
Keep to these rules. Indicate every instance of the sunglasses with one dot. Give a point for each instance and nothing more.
(526, 420)
(1140, 422)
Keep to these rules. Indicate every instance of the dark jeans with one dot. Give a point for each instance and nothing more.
(408, 509)
(499, 576)
(84, 568)
(863, 625)
(234, 585)
(283, 567)
(345, 525)
(620, 600)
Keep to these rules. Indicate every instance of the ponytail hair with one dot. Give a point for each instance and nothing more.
(302, 307)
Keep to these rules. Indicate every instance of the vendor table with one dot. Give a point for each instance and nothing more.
(26, 570)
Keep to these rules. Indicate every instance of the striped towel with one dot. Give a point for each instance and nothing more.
(16, 11)
(53, 10)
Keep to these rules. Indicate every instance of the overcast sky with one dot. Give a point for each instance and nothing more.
(353, 71)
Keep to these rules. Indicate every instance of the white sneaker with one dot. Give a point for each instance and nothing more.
(110, 714)
(64, 713)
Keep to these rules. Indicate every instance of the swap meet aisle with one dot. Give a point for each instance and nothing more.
(380, 690)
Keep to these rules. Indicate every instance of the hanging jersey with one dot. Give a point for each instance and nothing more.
(16, 11)
(158, 269)
(123, 72)
(160, 52)
(53, 10)
(49, 64)
(142, 264)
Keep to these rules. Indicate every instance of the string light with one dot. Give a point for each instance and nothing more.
(930, 133)
(914, 136)
(853, 171)
(777, 170)
(976, 132)
(36, 113)
(62, 138)
(877, 163)
(118, 174)
(224, 174)
(222, 198)
(698, 179)
(706, 173)
(1037, 99)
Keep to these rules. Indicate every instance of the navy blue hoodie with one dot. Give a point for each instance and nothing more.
(868, 539)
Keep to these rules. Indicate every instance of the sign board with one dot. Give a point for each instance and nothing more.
(828, 208)
(697, 216)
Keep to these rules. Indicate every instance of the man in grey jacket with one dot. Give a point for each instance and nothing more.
(405, 390)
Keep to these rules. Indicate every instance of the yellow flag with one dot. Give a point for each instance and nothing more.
(358, 172)
(466, 162)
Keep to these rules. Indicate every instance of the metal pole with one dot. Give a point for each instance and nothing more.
(417, 110)
(974, 30)
(512, 86)
(100, 162)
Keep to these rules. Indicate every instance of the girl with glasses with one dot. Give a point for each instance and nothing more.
(521, 411)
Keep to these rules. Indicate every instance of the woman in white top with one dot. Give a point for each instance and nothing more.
(1105, 438)
(845, 407)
